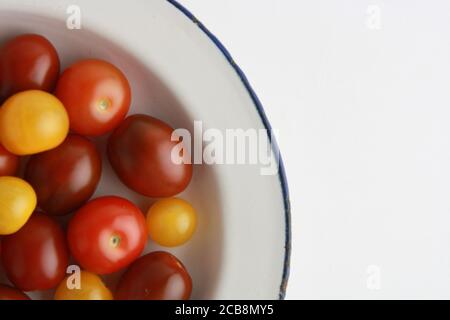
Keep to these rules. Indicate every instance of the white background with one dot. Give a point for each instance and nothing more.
(360, 92)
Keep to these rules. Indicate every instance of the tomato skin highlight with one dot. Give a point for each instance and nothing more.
(18, 201)
(10, 293)
(96, 94)
(91, 288)
(143, 144)
(107, 234)
(36, 257)
(155, 276)
(9, 163)
(27, 62)
(32, 121)
(64, 178)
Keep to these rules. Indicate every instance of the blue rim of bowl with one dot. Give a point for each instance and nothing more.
(276, 150)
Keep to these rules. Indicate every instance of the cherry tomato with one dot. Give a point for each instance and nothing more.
(107, 234)
(64, 178)
(9, 163)
(36, 257)
(171, 222)
(27, 62)
(140, 151)
(10, 293)
(155, 276)
(17, 203)
(91, 288)
(96, 95)
(31, 122)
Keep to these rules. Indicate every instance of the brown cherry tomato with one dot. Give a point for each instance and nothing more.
(155, 276)
(64, 178)
(10, 293)
(36, 256)
(27, 62)
(96, 94)
(9, 163)
(140, 151)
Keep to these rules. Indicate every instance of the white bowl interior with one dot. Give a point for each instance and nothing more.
(179, 76)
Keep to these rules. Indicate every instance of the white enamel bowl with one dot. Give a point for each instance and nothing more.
(179, 73)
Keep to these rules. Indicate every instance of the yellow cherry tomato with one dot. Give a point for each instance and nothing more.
(91, 287)
(17, 203)
(171, 222)
(32, 121)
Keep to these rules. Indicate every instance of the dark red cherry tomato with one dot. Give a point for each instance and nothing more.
(155, 276)
(27, 62)
(96, 95)
(64, 178)
(107, 234)
(9, 162)
(36, 256)
(140, 151)
(10, 293)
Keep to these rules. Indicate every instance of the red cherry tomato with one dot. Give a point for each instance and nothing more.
(107, 234)
(36, 257)
(27, 62)
(9, 162)
(140, 151)
(64, 178)
(10, 293)
(96, 95)
(155, 276)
